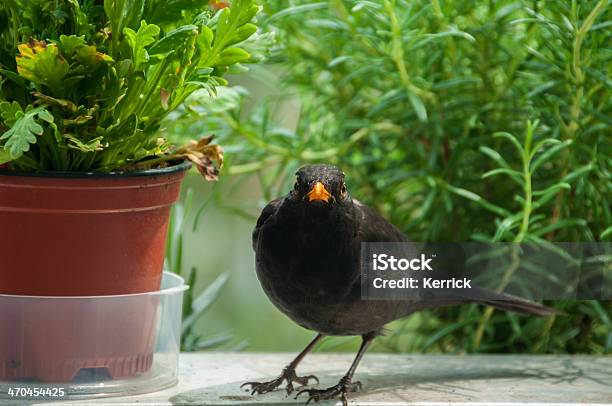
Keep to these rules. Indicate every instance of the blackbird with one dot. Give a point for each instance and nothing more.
(307, 247)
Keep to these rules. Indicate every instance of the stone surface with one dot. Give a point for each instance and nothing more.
(215, 378)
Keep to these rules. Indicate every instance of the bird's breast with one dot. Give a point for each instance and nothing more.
(307, 274)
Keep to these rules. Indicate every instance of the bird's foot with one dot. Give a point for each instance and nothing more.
(340, 389)
(288, 375)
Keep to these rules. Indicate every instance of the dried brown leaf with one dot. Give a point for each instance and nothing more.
(207, 157)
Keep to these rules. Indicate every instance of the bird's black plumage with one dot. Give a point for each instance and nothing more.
(307, 247)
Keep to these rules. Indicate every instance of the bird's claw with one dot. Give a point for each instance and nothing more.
(288, 375)
(340, 389)
(263, 387)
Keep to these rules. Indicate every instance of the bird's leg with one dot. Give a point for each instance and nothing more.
(346, 384)
(288, 374)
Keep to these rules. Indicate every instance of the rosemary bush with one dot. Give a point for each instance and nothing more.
(457, 120)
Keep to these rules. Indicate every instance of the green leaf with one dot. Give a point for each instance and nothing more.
(204, 300)
(229, 20)
(42, 64)
(515, 175)
(88, 55)
(123, 14)
(290, 11)
(24, 130)
(80, 17)
(563, 223)
(244, 32)
(52, 101)
(138, 41)
(554, 188)
(5, 156)
(418, 106)
(89, 146)
(114, 9)
(578, 172)
(123, 67)
(201, 75)
(537, 147)
(244, 10)
(546, 155)
(541, 88)
(512, 139)
(506, 225)
(231, 56)
(208, 36)
(9, 111)
(174, 40)
(135, 12)
(547, 194)
(13, 77)
(452, 33)
(477, 199)
(70, 43)
(211, 342)
(494, 155)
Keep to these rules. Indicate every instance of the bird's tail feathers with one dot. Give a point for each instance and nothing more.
(517, 304)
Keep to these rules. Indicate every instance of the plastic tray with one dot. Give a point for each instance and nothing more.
(54, 348)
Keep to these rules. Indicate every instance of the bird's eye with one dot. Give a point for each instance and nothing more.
(343, 189)
(296, 189)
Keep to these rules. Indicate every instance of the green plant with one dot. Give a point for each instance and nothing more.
(407, 96)
(84, 84)
(194, 306)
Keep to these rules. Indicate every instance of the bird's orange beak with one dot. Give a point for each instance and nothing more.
(318, 192)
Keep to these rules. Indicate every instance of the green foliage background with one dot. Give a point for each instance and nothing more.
(459, 121)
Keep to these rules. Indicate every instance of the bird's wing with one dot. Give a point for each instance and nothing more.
(266, 213)
(375, 228)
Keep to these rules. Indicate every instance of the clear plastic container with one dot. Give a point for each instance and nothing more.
(55, 348)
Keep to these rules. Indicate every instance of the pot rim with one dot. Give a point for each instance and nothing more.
(180, 166)
(178, 279)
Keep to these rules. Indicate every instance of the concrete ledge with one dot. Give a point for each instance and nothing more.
(215, 379)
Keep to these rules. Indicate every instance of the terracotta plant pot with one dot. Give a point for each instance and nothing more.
(81, 235)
